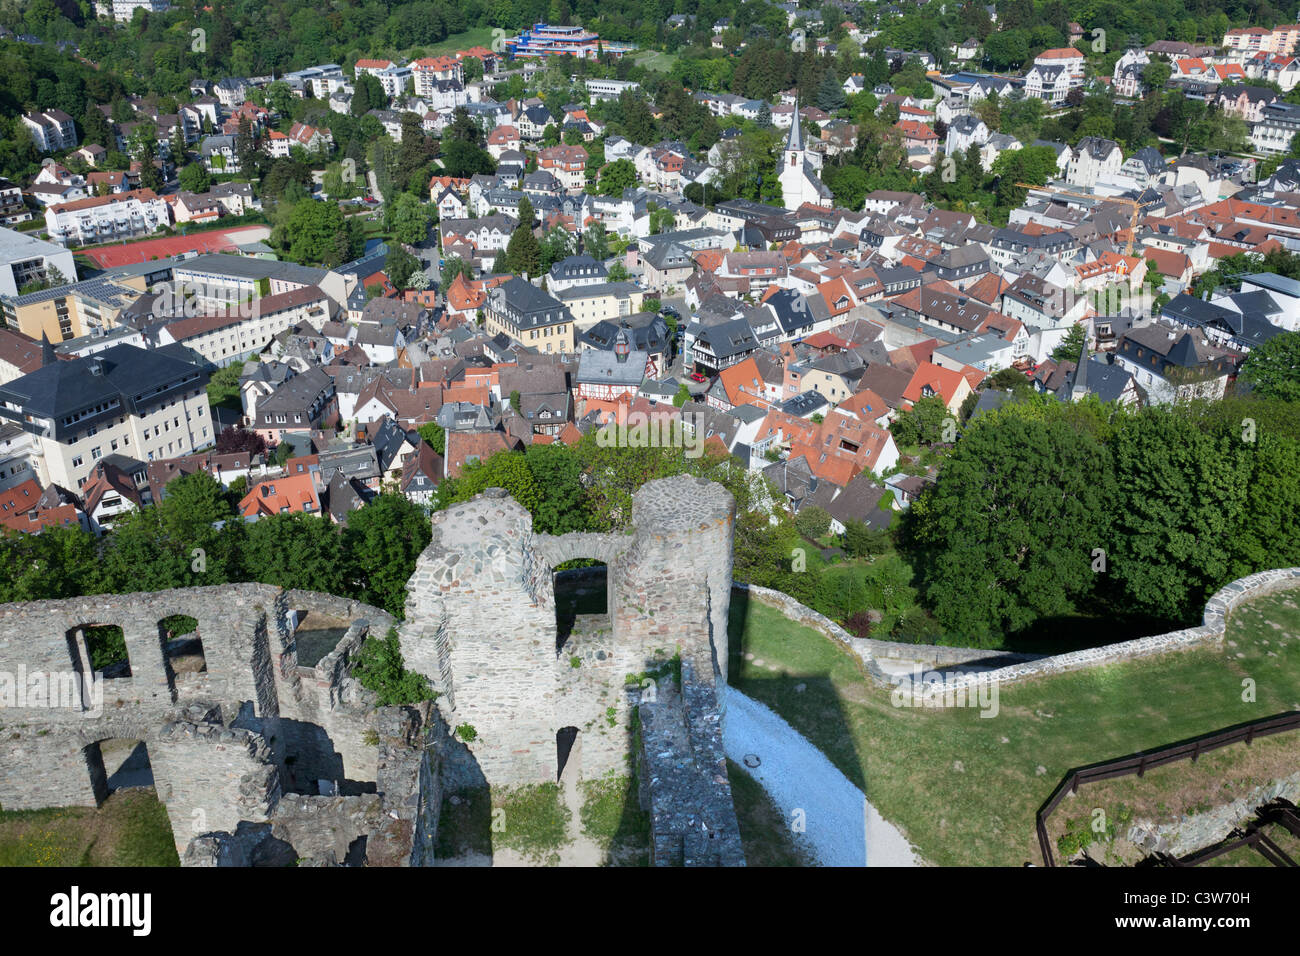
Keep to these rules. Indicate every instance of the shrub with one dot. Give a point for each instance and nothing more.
(379, 667)
(812, 522)
(859, 624)
(861, 541)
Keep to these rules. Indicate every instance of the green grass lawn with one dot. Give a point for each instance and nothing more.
(655, 60)
(965, 788)
(478, 36)
(130, 829)
(612, 817)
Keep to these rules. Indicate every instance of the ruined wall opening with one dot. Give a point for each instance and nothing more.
(582, 600)
(315, 634)
(565, 740)
(182, 650)
(118, 764)
(99, 649)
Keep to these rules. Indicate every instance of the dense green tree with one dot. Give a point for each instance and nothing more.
(400, 267)
(557, 474)
(317, 232)
(1071, 346)
(616, 177)
(381, 542)
(296, 551)
(463, 159)
(812, 521)
(830, 95)
(435, 435)
(408, 219)
(923, 423)
(194, 178)
(1272, 370)
(1180, 493)
(1007, 533)
(508, 470)
(59, 562)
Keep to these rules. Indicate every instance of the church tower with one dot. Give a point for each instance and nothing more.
(798, 174)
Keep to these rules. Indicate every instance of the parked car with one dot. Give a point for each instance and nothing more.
(697, 377)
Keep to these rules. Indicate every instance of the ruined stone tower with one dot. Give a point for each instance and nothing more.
(481, 624)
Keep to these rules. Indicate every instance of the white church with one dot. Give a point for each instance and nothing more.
(799, 168)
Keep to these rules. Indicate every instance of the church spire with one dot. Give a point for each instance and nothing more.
(47, 351)
(795, 140)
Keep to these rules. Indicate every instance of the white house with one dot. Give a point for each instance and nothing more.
(1093, 157)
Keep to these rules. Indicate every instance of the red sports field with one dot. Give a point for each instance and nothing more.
(129, 253)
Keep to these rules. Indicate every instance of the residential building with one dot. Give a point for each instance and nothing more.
(138, 212)
(145, 404)
(529, 316)
(52, 130)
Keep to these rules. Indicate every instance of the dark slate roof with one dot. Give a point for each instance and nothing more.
(647, 331)
(578, 267)
(729, 338)
(119, 380)
(1105, 380)
(605, 368)
(804, 404)
(859, 501)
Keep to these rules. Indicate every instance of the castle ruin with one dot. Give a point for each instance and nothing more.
(260, 759)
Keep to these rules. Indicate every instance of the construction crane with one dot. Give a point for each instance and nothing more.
(1136, 206)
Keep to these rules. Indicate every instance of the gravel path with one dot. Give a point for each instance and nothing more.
(842, 829)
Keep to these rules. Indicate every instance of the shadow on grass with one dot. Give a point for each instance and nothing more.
(1074, 632)
(612, 817)
(801, 691)
(763, 829)
(465, 824)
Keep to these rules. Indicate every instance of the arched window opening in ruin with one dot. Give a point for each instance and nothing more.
(582, 604)
(182, 648)
(565, 739)
(99, 649)
(118, 764)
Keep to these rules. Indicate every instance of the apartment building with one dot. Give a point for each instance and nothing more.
(228, 336)
(52, 130)
(427, 71)
(143, 404)
(25, 259)
(138, 212)
(590, 304)
(529, 316)
(568, 164)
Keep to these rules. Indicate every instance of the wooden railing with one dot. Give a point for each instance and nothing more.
(1143, 761)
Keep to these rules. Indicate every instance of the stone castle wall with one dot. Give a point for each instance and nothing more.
(225, 745)
(1023, 667)
(262, 761)
(481, 623)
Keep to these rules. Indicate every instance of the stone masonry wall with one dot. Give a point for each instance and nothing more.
(221, 742)
(684, 777)
(1210, 631)
(212, 778)
(480, 623)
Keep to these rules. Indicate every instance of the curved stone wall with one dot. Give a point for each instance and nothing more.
(1211, 630)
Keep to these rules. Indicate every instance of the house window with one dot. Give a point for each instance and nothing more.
(95, 453)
